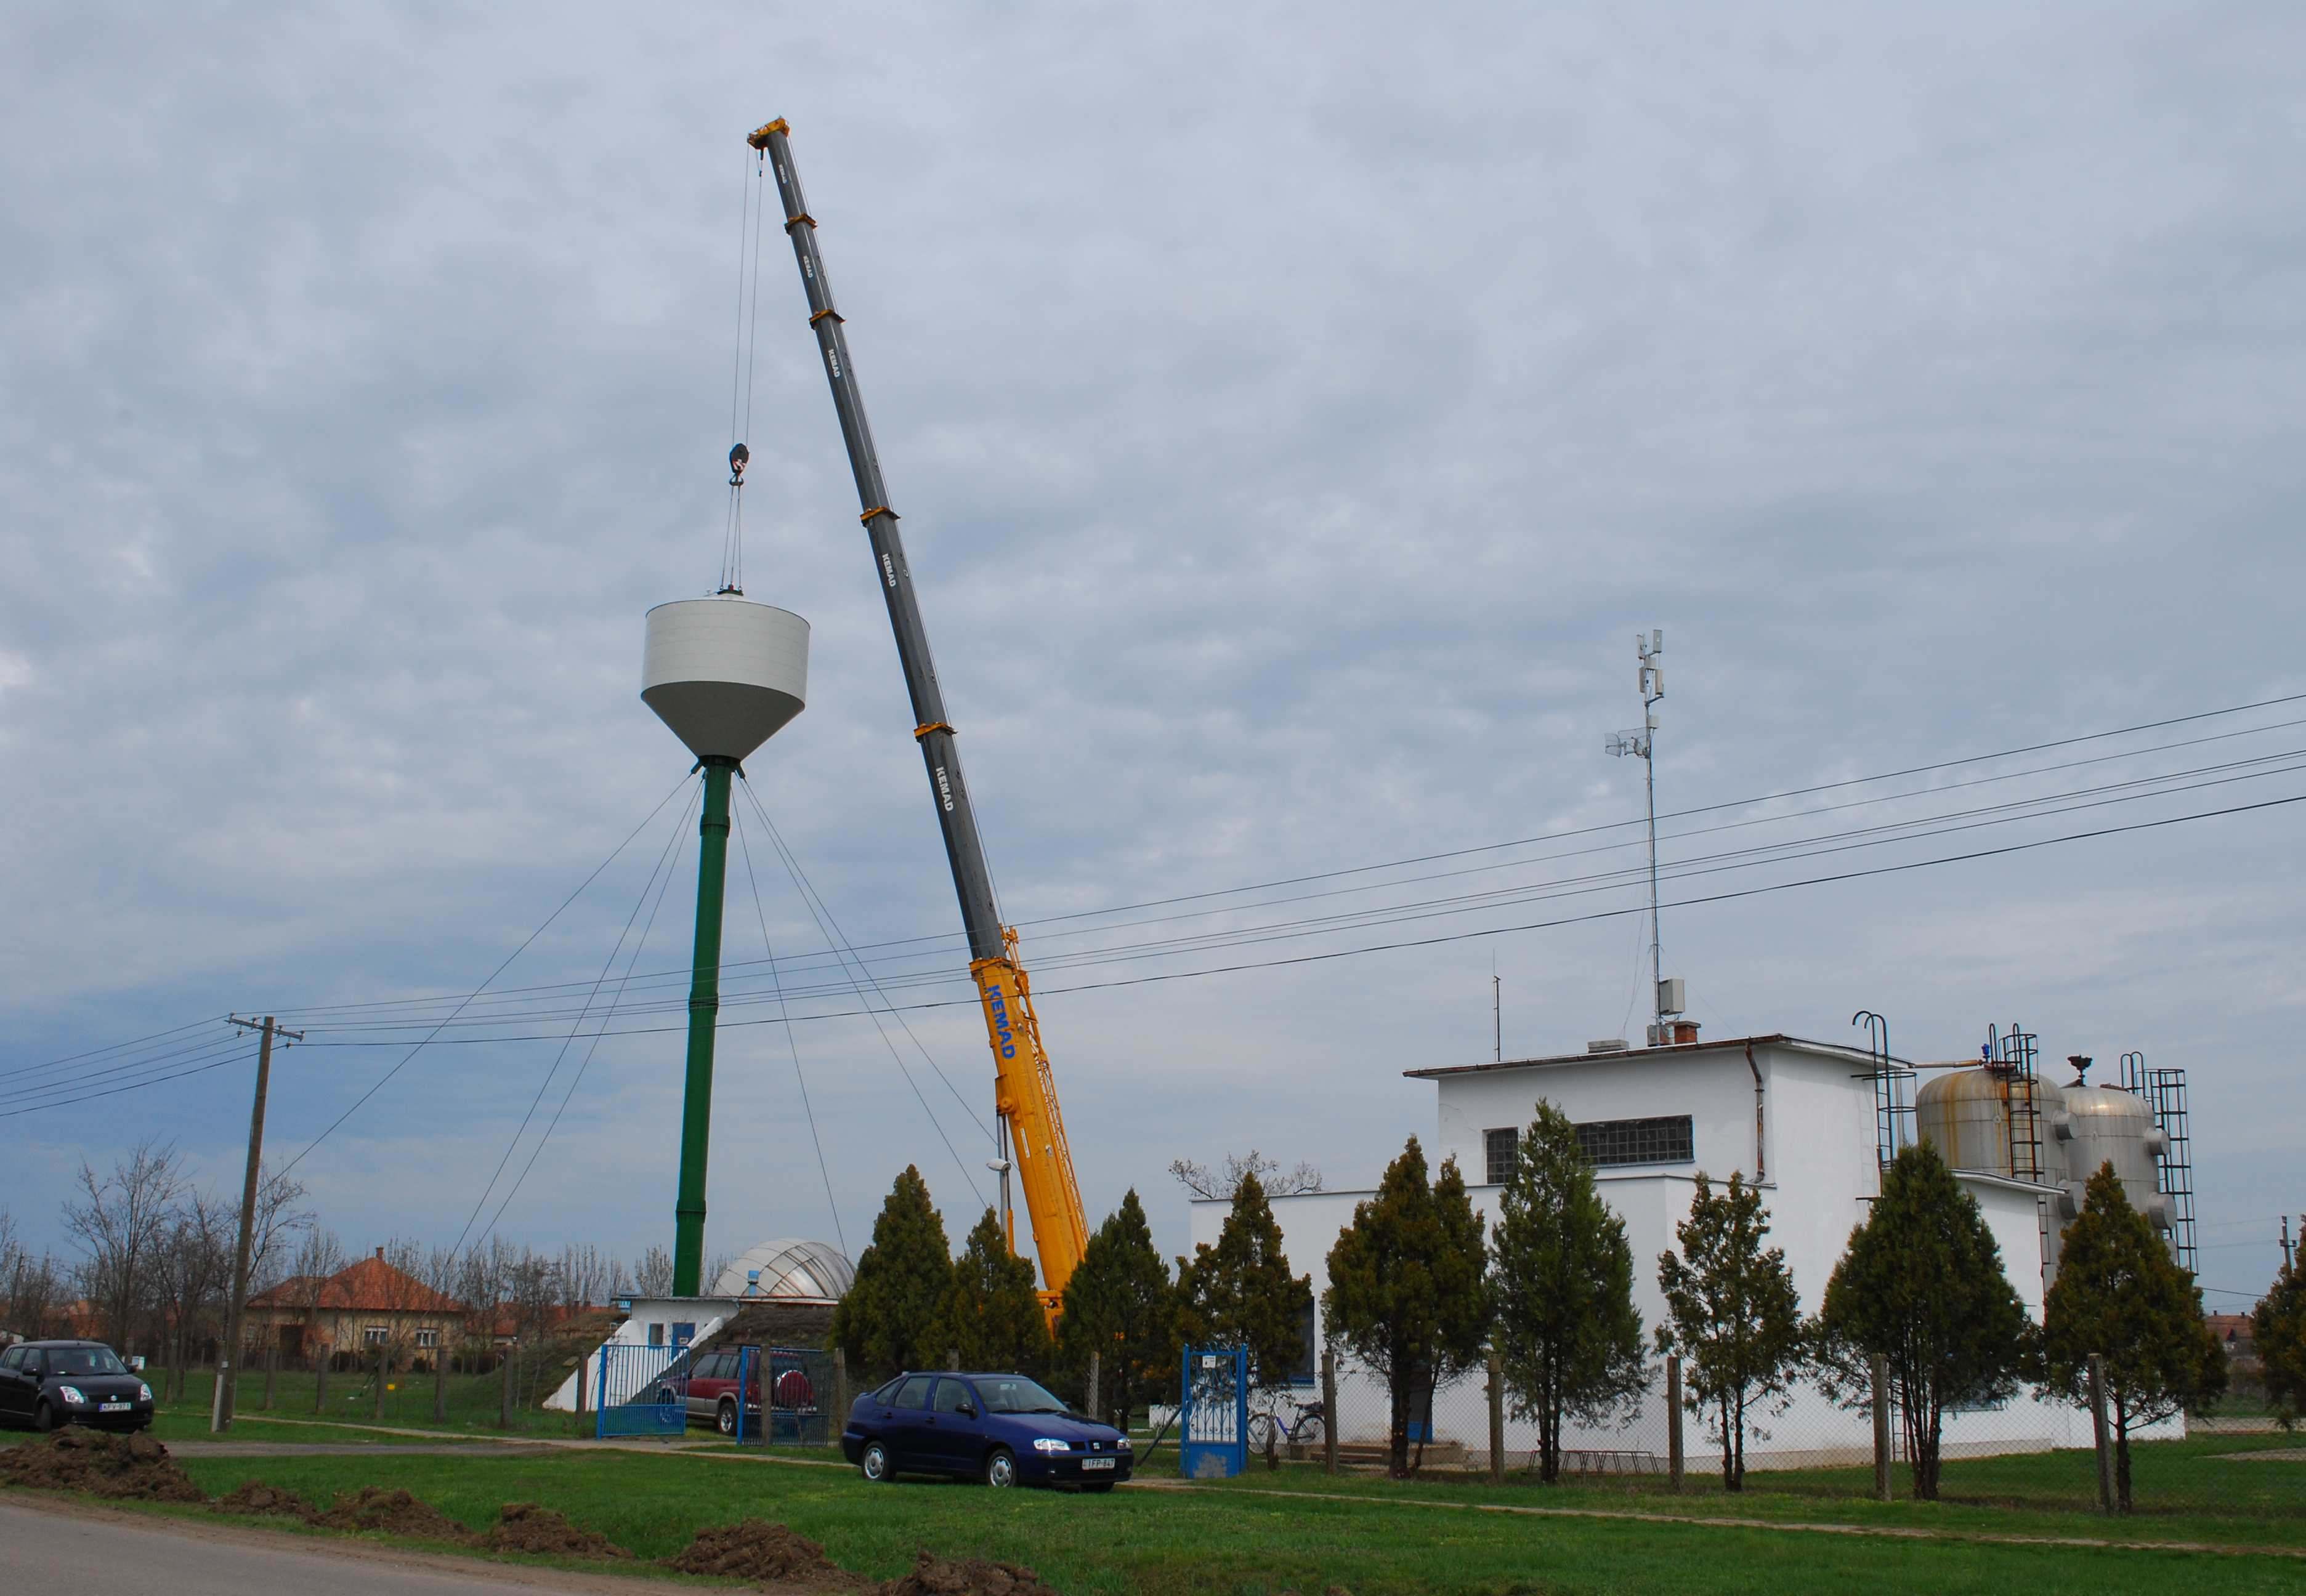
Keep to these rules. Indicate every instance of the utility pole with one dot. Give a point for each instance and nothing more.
(2285, 1240)
(1497, 1011)
(220, 1404)
(1642, 744)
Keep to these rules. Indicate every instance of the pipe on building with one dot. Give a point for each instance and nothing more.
(1761, 1163)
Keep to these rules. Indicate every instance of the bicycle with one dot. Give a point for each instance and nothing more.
(1307, 1427)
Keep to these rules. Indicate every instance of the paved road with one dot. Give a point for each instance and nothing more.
(71, 1550)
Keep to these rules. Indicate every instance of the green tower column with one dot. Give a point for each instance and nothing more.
(704, 1014)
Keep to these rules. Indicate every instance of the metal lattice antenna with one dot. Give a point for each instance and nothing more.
(1641, 743)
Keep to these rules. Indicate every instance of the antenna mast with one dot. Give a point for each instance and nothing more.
(1642, 743)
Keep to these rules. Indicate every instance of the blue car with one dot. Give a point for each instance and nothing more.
(1002, 1429)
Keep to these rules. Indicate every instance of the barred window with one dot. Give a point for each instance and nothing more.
(1664, 1139)
(1497, 1150)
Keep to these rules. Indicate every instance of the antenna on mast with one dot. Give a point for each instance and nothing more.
(1641, 743)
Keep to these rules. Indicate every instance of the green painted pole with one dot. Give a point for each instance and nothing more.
(704, 1014)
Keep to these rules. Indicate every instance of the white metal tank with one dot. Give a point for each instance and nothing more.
(2094, 1125)
(1965, 1115)
(725, 673)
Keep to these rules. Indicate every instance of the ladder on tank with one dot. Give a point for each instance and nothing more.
(2164, 1089)
(2015, 1056)
(1893, 1091)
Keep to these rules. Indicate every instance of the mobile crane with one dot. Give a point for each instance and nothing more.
(1032, 1131)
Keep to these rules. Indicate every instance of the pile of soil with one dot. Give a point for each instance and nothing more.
(966, 1576)
(257, 1499)
(756, 1550)
(527, 1527)
(134, 1467)
(372, 1508)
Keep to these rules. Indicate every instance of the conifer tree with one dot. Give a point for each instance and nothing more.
(2119, 1293)
(1562, 1286)
(1408, 1293)
(991, 1315)
(1922, 1285)
(1731, 1309)
(1240, 1293)
(2278, 1325)
(888, 1317)
(1120, 1303)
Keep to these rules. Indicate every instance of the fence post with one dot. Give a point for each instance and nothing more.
(952, 1361)
(840, 1393)
(376, 1403)
(1091, 1394)
(1497, 1418)
(1881, 1427)
(1673, 1454)
(580, 1394)
(2099, 1427)
(1329, 1411)
(320, 1382)
(440, 1384)
(271, 1367)
(504, 1407)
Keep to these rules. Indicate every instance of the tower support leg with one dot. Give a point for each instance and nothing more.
(704, 1015)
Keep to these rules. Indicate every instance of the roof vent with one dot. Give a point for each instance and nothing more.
(1608, 1045)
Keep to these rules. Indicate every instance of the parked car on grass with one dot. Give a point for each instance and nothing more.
(1002, 1429)
(47, 1383)
(707, 1387)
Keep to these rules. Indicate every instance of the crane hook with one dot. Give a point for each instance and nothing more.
(738, 457)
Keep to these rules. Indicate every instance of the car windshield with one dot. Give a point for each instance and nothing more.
(83, 1360)
(1014, 1394)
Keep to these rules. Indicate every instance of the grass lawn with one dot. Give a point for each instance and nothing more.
(475, 1403)
(1147, 1542)
(2184, 1490)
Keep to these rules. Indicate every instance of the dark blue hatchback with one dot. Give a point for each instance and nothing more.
(1002, 1429)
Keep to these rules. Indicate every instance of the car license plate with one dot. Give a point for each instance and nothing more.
(1096, 1463)
(112, 1407)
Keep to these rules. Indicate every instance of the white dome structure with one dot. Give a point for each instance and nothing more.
(788, 1270)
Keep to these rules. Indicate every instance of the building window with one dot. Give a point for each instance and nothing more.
(1664, 1139)
(428, 1339)
(1497, 1150)
(375, 1335)
(656, 1334)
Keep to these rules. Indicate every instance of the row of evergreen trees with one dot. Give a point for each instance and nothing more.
(1420, 1296)
(1421, 1291)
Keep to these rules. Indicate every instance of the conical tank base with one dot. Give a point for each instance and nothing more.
(724, 673)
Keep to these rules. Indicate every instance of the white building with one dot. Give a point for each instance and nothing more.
(1796, 1118)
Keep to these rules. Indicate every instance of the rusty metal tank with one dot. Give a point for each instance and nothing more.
(1965, 1115)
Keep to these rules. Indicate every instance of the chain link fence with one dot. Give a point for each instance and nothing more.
(2025, 1453)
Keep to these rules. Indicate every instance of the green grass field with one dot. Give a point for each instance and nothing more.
(1243, 1539)
(475, 1403)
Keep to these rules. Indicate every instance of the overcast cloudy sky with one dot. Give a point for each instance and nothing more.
(1295, 410)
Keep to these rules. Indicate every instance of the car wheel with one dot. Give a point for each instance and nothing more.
(874, 1463)
(44, 1417)
(725, 1417)
(1000, 1467)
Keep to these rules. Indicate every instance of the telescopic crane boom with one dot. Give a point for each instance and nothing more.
(1033, 1132)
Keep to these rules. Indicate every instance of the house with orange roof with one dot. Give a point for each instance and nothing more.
(369, 1305)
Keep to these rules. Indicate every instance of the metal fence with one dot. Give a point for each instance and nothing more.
(791, 1398)
(637, 1390)
(2027, 1453)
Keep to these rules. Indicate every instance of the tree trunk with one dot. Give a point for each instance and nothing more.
(1397, 1449)
(1730, 1480)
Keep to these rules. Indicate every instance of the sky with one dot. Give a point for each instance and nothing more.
(1295, 415)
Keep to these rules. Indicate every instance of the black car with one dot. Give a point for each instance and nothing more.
(47, 1383)
(1002, 1429)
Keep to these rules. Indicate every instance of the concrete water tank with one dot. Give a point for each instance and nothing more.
(725, 673)
(1965, 1115)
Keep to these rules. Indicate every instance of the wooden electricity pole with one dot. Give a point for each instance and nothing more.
(228, 1355)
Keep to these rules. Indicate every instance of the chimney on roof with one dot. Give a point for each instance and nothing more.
(379, 1255)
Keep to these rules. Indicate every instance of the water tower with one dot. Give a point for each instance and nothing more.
(727, 675)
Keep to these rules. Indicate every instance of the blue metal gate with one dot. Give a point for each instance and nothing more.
(641, 1390)
(1213, 1423)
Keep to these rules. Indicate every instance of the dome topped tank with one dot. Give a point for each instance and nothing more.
(725, 673)
(1965, 1115)
(2096, 1125)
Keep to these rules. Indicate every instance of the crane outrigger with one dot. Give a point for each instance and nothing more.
(1032, 1130)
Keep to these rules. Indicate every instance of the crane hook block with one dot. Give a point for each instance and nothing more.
(739, 458)
(759, 137)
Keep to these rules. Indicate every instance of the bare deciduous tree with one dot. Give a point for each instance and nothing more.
(120, 1220)
(1220, 1186)
(653, 1275)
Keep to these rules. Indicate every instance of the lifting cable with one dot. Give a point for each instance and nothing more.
(740, 375)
